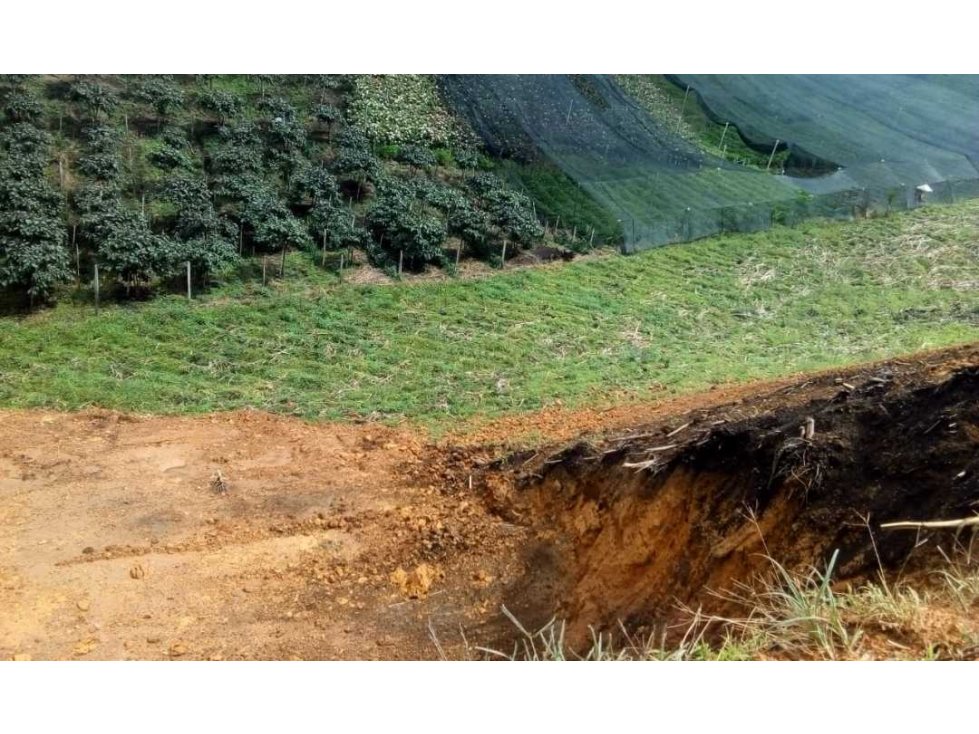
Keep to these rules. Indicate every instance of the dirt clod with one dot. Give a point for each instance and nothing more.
(416, 583)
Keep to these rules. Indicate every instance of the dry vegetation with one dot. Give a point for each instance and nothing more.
(787, 615)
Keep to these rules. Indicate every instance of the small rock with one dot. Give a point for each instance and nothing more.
(83, 604)
(153, 640)
(88, 550)
(177, 649)
(137, 572)
(481, 578)
(415, 584)
(85, 646)
(22, 657)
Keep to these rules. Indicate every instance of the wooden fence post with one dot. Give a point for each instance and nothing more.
(96, 288)
(189, 293)
(78, 257)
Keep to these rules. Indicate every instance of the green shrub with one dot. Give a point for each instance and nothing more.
(416, 156)
(223, 105)
(161, 93)
(33, 258)
(22, 107)
(388, 152)
(94, 98)
(400, 224)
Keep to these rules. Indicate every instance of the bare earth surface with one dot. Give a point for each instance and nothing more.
(248, 536)
(117, 541)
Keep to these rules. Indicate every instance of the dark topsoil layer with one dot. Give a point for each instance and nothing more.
(628, 525)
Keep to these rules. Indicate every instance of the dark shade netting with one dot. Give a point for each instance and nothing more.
(856, 145)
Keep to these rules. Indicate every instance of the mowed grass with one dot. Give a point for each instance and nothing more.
(612, 329)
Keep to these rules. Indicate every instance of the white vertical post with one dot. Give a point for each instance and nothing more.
(679, 118)
(772, 156)
(78, 256)
(723, 135)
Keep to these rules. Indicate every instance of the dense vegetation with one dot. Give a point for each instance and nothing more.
(581, 223)
(604, 330)
(141, 175)
(674, 106)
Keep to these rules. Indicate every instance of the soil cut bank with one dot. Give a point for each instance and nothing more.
(244, 535)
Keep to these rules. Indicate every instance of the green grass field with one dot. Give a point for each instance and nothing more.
(673, 319)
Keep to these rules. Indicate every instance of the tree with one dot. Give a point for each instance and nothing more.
(173, 151)
(513, 214)
(101, 138)
(312, 184)
(328, 115)
(206, 255)
(354, 161)
(400, 224)
(194, 211)
(33, 256)
(95, 98)
(272, 224)
(161, 93)
(465, 158)
(133, 253)
(336, 225)
(223, 105)
(22, 107)
(416, 156)
(100, 166)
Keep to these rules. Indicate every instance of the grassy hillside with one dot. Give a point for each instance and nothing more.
(673, 319)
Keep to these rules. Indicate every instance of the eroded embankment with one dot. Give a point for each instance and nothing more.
(628, 527)
(248, 536)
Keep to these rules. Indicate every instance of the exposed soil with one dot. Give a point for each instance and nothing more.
(245, 535)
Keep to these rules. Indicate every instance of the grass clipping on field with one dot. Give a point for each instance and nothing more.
(794, 616)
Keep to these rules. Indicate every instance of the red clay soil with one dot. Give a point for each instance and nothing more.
(244, 535)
